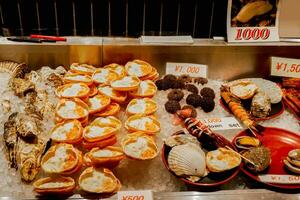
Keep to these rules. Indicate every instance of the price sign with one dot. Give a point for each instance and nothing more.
(135, 195)
(286, 67)
(242, 27)
(224, 123)
(194, 70)
(282, 179)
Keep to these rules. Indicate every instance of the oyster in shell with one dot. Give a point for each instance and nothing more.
(10, 137)
(188, 160)
(260, 105)
(27, 126)
(13, 68)
(292, 161)
(21, 86)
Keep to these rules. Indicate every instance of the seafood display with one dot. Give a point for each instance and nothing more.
(96, 128)
(292, 161)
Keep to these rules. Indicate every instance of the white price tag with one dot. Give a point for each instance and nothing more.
(167, 39)
(135, 195)
(282, 179)
(224, 123)
(285, 67)
(194, 70)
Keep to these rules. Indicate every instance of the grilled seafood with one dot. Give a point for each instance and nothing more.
(292, 161)
(260, 156)
(238, 110)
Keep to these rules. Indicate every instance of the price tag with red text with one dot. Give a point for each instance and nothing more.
(285, 67)
(135, 195)
(222, 123)
(281, 179)
(194, 70)
(253, 21)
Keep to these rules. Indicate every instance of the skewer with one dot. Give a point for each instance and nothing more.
(227, 147)
(254, 134)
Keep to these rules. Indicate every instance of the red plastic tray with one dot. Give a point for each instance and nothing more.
(280, 142)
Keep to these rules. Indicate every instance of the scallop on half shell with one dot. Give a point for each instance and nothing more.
(188, 160)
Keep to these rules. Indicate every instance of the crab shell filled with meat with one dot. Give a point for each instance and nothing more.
(138, 68)
(146, 88)
(72, 109)
(145, 106)
(139, 146)
(62, 159)
(69, 131)
(116, 96)
(108, 157)
(147, 124)
(57, 185)
(126, 83)
(98, 180)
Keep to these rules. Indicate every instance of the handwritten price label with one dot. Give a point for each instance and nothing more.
(285, 67)
(135, 195)
(282, 179)
(194, 70)
(225, 123)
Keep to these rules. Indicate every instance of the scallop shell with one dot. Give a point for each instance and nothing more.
(187, 160)
(98, 180)
(104, 76)
(119, 69)
(96, 132)
(77, 68)
(181, 139)
(246, 142)
(17, 70)
(58, 185)
(117, 96)
(73, 90)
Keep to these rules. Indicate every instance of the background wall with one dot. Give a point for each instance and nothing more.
(131, 18)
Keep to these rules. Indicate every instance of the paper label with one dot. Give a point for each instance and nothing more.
(258, 28)
(135, 195)
(285, 67)
(194, 70)
(224, 123)
(282, 179)
(167, 39)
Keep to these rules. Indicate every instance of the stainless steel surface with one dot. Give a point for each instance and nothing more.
(225, 61)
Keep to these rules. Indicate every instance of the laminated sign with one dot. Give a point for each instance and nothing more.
(252, 21)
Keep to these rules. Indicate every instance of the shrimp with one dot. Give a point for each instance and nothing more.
(238, 110)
